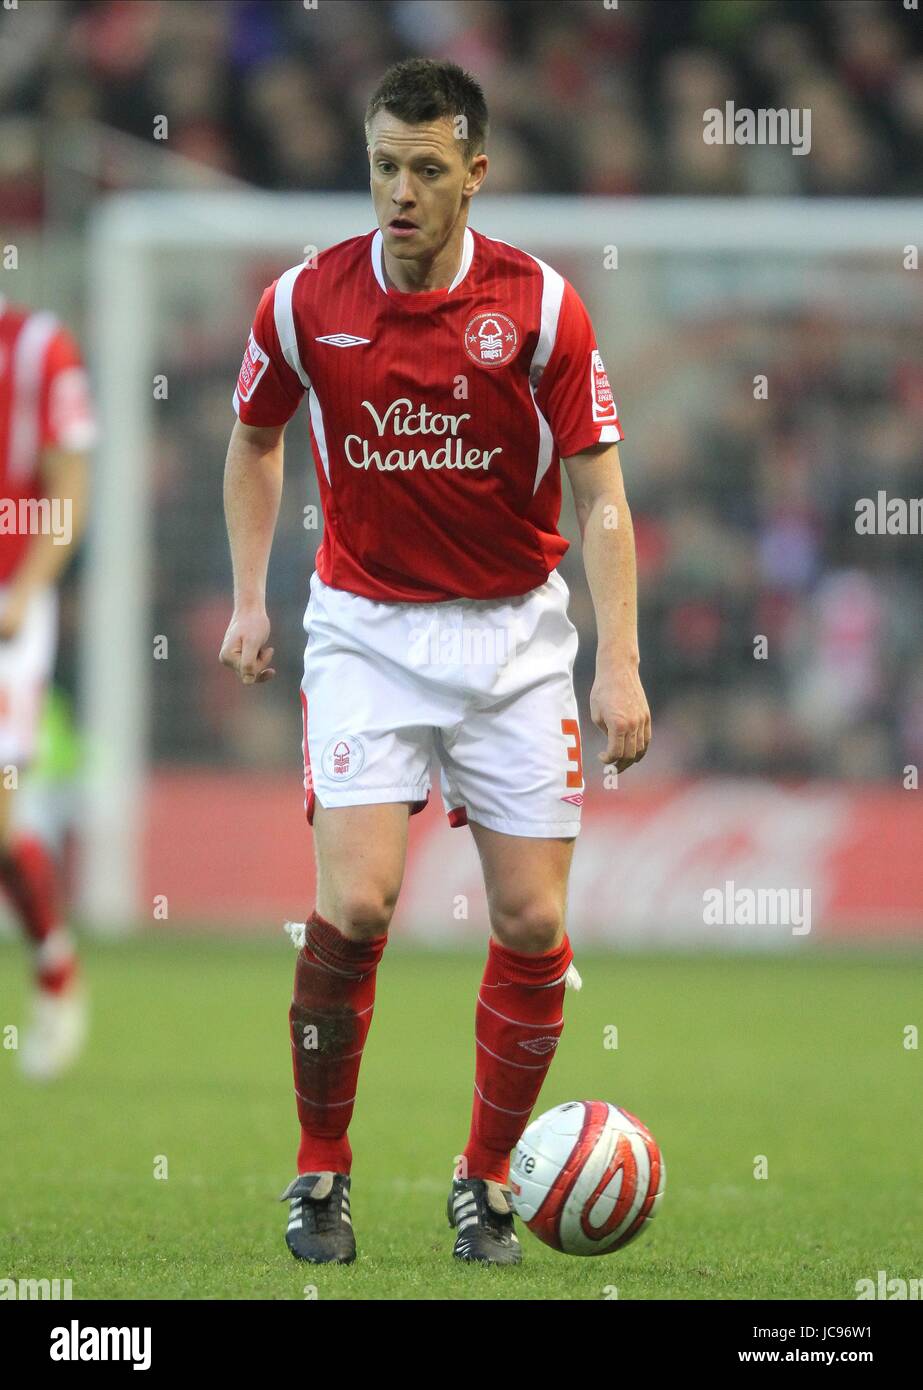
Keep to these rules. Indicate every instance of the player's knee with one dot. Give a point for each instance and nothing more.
(532, 927)
(364, 912)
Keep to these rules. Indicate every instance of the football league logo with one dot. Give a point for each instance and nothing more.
(343, 757)
(604, 407)
(251, 369)
(491, 339)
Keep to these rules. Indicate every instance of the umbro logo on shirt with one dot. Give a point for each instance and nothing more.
(341, 339)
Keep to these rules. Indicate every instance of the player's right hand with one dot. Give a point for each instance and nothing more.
(244, 647)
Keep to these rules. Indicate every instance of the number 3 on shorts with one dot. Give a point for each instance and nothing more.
(571, 729)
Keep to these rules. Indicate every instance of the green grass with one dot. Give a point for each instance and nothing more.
(801, 1060)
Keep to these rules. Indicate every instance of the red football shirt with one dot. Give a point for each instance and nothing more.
(44, 403)
(438, 419)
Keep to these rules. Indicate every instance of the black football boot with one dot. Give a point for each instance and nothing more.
(482, 1213)
(320, 1229)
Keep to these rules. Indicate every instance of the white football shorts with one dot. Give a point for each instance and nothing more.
(484, 686)
(26, 665)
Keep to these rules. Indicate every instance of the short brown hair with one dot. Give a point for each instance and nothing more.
(421, 89)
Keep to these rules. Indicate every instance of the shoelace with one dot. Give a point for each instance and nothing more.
(319, 1214)
(472, 1208)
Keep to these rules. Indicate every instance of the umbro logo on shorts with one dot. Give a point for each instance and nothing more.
(341, 339)
(576, 800)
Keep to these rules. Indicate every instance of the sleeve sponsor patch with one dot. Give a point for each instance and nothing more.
(251, 369)
(604, 407)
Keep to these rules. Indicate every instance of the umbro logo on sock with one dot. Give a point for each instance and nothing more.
(540, 1046)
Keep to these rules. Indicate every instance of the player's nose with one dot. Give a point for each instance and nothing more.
(403, 193)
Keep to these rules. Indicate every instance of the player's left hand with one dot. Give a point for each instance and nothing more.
(12, 614)
(618, 706)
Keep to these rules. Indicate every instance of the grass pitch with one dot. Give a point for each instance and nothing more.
(800, 1059)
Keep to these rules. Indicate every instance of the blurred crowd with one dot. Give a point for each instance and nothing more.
(585, 96)
(777, 639)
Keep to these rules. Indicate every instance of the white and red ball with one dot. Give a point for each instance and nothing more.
(587, 1177)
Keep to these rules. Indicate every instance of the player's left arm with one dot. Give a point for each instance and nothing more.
(618, 705)
(65, 483)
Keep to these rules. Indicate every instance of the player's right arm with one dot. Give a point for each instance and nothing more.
(252, 492)
(267, 396)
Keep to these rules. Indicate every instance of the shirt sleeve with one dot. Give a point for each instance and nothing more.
(268, 390)
(66, 415)
(574, 393)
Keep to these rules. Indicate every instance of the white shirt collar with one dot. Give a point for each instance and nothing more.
(466, 259)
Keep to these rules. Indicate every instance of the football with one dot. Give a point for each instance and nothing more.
(587, 1177)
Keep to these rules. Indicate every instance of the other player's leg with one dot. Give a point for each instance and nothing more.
(28, 873)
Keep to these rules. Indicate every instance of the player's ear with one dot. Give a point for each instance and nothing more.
(477, 173)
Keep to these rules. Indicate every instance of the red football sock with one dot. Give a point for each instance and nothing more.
(518, 1022)
(28, 873)
(329, 1021)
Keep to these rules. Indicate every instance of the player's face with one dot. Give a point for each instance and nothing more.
(420, 183)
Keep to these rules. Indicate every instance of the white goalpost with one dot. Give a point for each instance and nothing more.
(134, 239)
